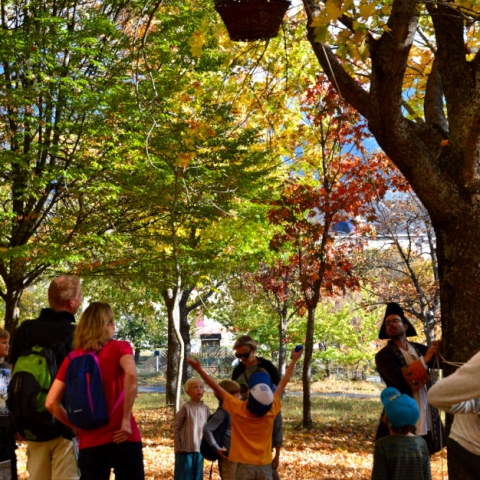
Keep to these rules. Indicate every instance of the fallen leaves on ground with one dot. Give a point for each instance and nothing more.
(332, 451)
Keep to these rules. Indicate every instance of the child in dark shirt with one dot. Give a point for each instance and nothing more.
(226, 467)
(402, 455)
(7, 441)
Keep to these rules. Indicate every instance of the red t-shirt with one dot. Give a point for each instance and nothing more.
(113, 379)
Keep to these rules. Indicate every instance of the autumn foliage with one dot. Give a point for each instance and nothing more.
(339, 447)
(327, 203)
(337, 184)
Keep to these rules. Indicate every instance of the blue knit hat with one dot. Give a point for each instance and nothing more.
(401, 410)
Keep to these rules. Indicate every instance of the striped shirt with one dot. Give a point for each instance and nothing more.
(189, 423)
(401, 457)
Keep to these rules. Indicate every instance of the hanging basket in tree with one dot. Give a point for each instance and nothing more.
(248, 20)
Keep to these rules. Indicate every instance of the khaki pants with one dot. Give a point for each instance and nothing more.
(253, 472)
(52, 460)
(227, 469)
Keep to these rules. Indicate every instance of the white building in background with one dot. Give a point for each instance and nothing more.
(209, 333)
(417, 242)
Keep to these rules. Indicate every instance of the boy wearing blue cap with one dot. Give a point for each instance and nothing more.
(252, 421)
(402, 455)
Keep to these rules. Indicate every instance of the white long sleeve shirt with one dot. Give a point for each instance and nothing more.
(459, 394)
(188, 428)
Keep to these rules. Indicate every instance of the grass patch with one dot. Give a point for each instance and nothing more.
(328, 385)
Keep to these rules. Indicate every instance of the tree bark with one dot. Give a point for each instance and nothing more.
(307, 367)
(458, 247)
(439, 155)
(173, 355)
(282, 337)
(185, 332)
(176, 353)
(12, 300)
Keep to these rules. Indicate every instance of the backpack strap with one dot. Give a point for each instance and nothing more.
(118, 402)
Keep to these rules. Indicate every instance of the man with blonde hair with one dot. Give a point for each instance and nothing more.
(65, 294)
(50, 451)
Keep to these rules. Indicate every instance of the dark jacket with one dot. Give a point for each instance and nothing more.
(51, 329)
(390, 361)
(267, 365)
(55, 330)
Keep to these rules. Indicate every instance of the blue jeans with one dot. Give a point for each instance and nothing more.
(188, 466)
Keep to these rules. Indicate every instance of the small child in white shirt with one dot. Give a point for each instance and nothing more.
(188, 430)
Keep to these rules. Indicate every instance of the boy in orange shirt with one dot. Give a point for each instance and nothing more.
(252, 421)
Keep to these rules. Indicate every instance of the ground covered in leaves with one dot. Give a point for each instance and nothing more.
(339, 446)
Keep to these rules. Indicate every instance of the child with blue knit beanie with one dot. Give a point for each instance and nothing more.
(402, 455)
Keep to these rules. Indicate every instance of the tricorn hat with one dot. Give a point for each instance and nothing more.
(395, 309)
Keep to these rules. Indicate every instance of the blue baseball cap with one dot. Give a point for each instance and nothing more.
(260, 397)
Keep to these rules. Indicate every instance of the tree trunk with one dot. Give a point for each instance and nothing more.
(282, 337)
(12, 301)
(12, 297)
(174, 355)
(185, 332)
(458, 245)
(439, 154)
(307, 366)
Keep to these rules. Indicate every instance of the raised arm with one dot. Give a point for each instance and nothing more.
(288, 374)
(217, 389)
(459, 392)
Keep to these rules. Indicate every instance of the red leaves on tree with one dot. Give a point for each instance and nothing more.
(340, 190)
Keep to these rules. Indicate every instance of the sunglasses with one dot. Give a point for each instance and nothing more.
(243, 355)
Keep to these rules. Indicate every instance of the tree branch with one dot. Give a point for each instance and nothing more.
(346, 86)
(433, 105)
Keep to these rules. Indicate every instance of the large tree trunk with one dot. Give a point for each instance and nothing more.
(458, 247)
(438, 153)
(307, 368)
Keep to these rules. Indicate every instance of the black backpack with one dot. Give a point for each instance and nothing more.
(219, 433)
(32, 376)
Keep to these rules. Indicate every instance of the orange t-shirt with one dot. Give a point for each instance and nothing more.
(251, 441)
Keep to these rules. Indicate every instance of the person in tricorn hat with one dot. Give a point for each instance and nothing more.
(405, 366)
